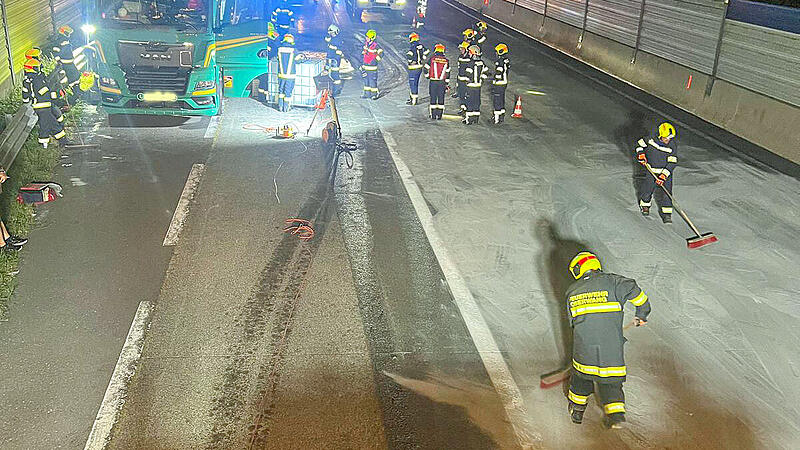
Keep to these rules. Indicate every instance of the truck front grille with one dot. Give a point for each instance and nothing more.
(157, 79)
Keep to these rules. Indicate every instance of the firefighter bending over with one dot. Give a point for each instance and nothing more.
(594, 307)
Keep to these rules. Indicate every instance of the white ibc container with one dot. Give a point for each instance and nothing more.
(305, 91)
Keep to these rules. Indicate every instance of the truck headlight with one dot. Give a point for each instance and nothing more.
(200, 85)
(106, 81)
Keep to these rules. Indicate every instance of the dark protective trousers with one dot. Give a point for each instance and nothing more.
(413, 84)
(285, 89)
(336, 77)
(50, 124)
(646, 188)
(461, 90)
(371, 83)
(473, 105)
(611, 395)
(437, 89)
(499, 101)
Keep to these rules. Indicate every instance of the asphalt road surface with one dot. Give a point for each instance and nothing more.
(356, 339)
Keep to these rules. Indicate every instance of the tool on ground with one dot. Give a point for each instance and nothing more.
(554, 378)
(300, 227)
(699, 240)
(320, 106)
(518, 108)
(285, 132)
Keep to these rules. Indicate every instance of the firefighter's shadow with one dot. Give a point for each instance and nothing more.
(557, 252)
(625, 137)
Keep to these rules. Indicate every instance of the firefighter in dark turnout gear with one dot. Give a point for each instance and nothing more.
(500, 82)
(372, 54)
(437, 70)
(41, 98)
(594, 306)
(660, 154)
(464, 60)
(71, 64)
(282, 17)
(476, 72)
(286, 72)
(27, 81)
(416, 56)
(480, 34)
(333, 57)
(419, 14)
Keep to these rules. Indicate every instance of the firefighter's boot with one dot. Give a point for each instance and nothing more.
(614, 421)
(666, 218)
(575, 412)
(645, 210)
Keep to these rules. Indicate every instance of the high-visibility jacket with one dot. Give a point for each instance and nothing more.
(594, 308)
(286, 62)
(438, 68)
(372, 55)
(501, 67)
(416, 55)
(334, 51)
(480, 38)
(476, 72)
(282, 16)
(41, 94)
(662, 157)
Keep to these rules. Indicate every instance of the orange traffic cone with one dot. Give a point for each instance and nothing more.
(518, 108)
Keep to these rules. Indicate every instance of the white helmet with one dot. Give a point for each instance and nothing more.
(333, 30)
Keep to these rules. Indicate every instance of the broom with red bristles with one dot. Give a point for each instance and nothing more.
(699, 240)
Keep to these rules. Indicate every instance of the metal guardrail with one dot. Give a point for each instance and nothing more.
(18, 127)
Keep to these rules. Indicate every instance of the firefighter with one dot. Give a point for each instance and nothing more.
(419, 16)
(286, 72)
(27, 81)
(594, 306)
(271, 52)
(41, 98)
(469, 36)
(461, 87)
(334, 57)
(272, 40)
(500, 82)
(437, 70)
(480, 33)
(372, 53)
(476, 72)
(283, 18)
(71, 64)
(416, 56)
(658, 154)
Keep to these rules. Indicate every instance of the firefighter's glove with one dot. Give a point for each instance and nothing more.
(661, 179)
(642, 159)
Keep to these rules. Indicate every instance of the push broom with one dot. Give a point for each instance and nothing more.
(699, 239)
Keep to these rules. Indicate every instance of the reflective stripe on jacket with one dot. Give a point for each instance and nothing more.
(286, 63)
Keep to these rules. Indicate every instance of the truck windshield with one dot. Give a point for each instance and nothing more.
(191, 14)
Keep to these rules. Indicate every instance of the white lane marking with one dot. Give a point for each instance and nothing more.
(117, 388)
(211, 130)
(710, 138)
(490, 354)
(182, 209)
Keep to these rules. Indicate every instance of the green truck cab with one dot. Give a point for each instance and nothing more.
(177, 57)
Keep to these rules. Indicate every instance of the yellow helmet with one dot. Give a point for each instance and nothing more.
(501, 49)
(464, 45)
(65, 30)
(438, 48)
(371, 34)
(666, 130)
(32, 65)
(481, 26)
(33, 53)
(582, 263)
(289, 39)
(469, 33)
(413, 37)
